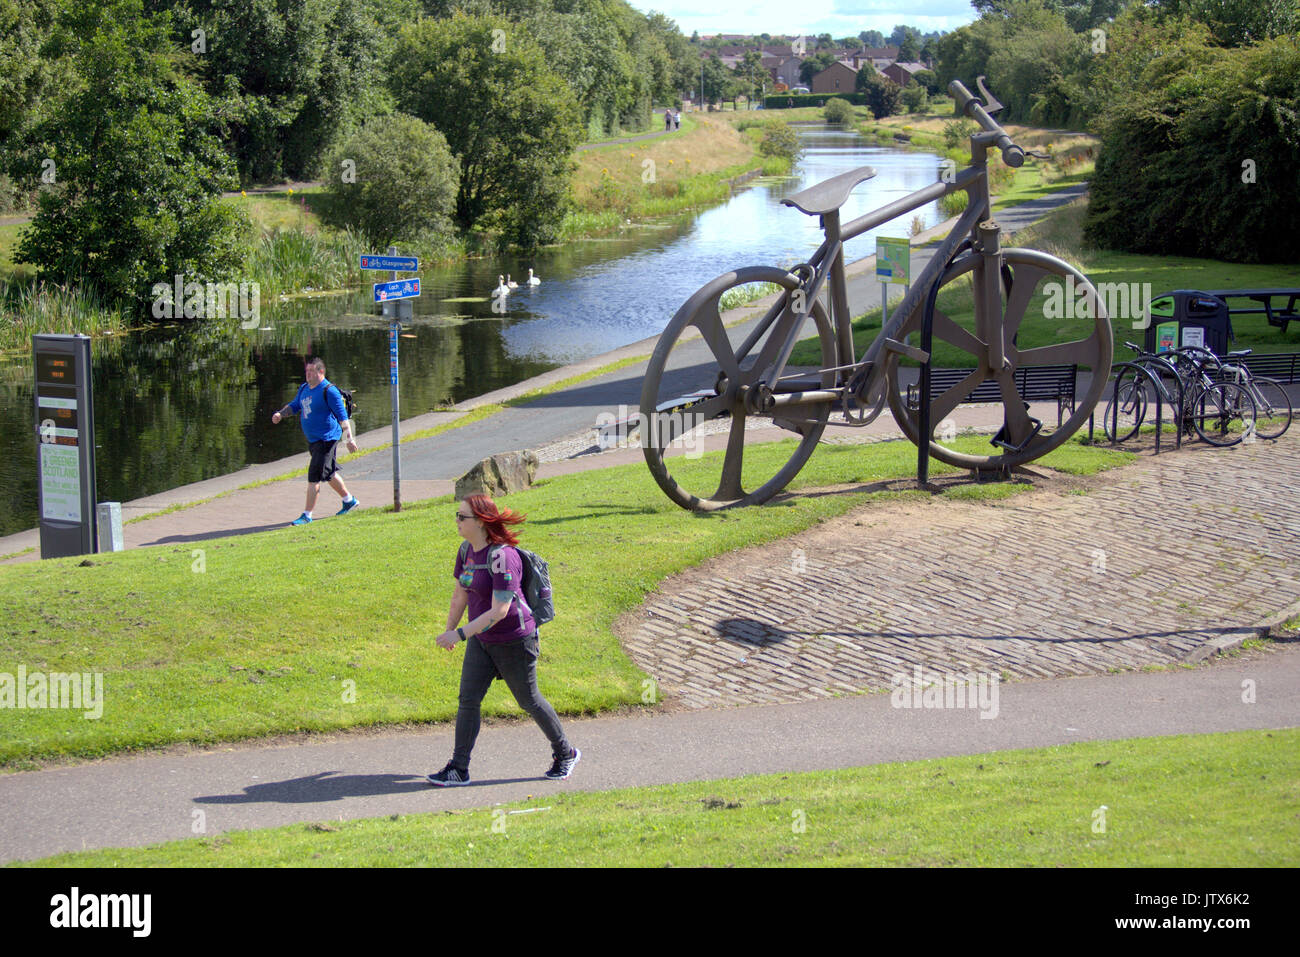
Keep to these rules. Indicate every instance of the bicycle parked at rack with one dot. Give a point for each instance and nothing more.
(1273, 410)
(1220, 411)
(739, 371)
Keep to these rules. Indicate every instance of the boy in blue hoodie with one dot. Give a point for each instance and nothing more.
(325, 420)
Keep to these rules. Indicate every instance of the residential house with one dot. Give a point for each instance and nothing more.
(787, 71)
(836, 78)
(880, 57)
(901, 73)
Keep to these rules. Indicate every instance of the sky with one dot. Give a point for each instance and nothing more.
(839, 18)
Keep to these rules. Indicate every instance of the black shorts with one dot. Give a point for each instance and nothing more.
(322, 460)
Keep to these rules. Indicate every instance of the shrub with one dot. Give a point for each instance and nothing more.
(403, 180)
(1198, 155)
(779, 139)
(837, 110)
(927, 79)
(914, 97)
(955, 133)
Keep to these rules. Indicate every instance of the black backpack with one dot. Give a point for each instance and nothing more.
(536, 584)
(349, 405)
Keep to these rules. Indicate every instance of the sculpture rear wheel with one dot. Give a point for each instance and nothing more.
(691, 382)
(1033, 275)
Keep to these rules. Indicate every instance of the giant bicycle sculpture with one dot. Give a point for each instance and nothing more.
(740, 370)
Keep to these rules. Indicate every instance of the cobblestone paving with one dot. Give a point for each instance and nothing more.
(1148, 567)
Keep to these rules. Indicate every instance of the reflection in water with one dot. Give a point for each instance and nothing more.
(179, 403)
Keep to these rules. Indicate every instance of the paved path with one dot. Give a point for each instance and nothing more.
(143, 800)
(1159, 563)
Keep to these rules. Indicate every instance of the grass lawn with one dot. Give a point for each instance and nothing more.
(331, 625)
(1060, 234)
(1216, 800)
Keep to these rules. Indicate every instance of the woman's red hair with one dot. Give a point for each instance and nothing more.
(494, 520)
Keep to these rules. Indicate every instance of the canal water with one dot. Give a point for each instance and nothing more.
(181, 402)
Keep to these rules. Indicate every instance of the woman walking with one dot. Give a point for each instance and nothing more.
(500, 636)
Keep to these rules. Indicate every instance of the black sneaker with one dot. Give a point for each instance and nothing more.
(450, 776)
(561, 768)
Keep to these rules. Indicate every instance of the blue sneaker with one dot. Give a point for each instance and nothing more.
(303, 519)
(348, 506)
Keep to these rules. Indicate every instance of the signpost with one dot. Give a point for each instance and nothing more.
(893, 264)
(396, 263)
(395, 298)
(65, 431)
(398, 289)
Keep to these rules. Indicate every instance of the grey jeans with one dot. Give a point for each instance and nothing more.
(516, 663)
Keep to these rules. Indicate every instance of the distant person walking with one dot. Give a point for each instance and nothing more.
(324, 421)
(677, 119)
(668, 120)
(500, 637)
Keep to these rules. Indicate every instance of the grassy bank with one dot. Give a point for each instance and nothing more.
(1061, 234)
(207, 642)
(685, 169)
(1218, 800)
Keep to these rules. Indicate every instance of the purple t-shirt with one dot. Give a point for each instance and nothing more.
(506, 577)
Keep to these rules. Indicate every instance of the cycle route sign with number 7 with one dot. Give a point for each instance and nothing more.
(401, 289)
(391, 263)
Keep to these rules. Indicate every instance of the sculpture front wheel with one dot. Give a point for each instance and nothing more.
(1033, 285)
(692, 382)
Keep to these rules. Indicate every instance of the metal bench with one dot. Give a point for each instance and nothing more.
(1034, 383)
(1282, 366)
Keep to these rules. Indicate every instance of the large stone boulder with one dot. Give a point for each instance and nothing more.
(499, 474)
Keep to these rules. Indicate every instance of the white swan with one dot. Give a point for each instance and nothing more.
(502, 289)
(533, 280)
(510, 282)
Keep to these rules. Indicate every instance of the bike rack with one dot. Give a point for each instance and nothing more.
(927, 344)
(1159, 389)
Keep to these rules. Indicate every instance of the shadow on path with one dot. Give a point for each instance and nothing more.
(332, 786)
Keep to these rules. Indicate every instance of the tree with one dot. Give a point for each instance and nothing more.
(910, 46)
(717, 80)
(508, 119)
(753, 73)
(872, 38)
(138, 169)
(1238, 22)
(1198, 144)
(928, 80)
(813, 65)
(32, 73)
(884, 96)
(291, 75)
(392, 179)
(824, 41)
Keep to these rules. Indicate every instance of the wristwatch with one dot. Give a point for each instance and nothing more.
(461, 631)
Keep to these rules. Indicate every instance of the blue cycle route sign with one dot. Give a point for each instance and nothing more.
(392, 263)
(401, 289)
